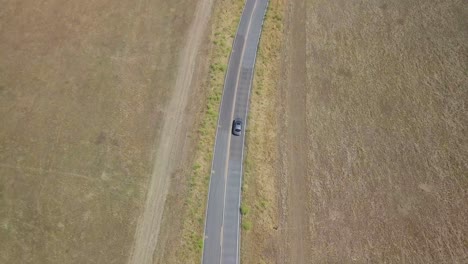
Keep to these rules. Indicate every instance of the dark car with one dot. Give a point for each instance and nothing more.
(237, 127)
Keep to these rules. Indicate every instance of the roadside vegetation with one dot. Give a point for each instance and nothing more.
(259, 198)
(226, 18)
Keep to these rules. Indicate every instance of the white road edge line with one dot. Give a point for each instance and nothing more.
(216, 136)
(245, 129)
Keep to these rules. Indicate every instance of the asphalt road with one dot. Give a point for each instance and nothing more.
(222, 226)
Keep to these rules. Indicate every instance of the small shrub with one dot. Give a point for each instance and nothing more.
(244, 210)
(246, 225)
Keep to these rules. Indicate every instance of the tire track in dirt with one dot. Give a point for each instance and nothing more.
(294, 141)
(171, 140)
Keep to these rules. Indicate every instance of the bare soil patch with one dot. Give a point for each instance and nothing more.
(83, 87)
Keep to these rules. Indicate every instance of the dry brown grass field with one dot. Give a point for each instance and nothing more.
(83, 86)
(372, 135)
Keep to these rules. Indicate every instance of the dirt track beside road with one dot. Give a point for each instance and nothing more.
(294, 140)
(171, 152)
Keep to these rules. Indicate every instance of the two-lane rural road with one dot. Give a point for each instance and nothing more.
(222, 226)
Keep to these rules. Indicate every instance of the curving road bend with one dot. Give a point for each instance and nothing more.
(222, 221)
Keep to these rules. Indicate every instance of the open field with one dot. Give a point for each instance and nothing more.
(372, 137)
(387, 150)
(83, 87)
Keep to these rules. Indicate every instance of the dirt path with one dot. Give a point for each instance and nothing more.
(293, 161)
(171, 141)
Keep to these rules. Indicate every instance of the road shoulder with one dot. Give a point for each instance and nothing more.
(259, 208)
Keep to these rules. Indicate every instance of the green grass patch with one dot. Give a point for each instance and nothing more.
(246, 225)
(244, 210)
